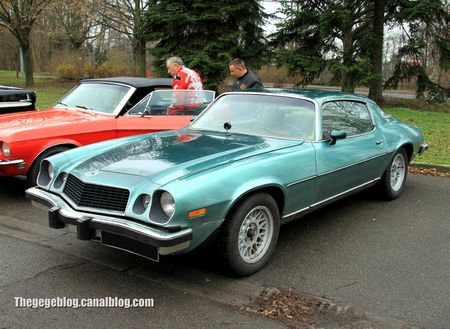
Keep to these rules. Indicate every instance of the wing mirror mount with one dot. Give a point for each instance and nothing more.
(337, 134)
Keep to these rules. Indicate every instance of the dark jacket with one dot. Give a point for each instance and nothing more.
(248, 80)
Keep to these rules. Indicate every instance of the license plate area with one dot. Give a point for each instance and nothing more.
(131, 245)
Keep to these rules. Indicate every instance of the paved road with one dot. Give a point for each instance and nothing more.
(389, 261)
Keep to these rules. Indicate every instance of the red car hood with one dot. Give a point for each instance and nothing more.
(12, 123)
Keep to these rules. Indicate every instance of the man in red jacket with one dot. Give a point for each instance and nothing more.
(183, 79)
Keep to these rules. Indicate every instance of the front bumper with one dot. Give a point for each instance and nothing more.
(422, 148)
(120, 233)
(19, 163)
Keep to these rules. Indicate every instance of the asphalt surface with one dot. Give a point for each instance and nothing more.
(388, 261)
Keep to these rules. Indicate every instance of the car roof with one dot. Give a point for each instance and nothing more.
(136, 82)
(316, 94)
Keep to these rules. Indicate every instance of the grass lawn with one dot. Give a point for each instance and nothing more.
(436, 130)
(434, 120)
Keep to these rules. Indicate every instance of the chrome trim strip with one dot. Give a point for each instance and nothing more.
(19, 103)
(296, 212)
(12, 162)
(301, 181)
(351, 165)
(330, 198)
(66, 211)
(422, 148)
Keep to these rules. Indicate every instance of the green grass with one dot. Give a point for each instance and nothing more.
(436, 130)
(47, 89)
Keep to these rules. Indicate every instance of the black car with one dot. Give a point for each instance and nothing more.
(14, 99)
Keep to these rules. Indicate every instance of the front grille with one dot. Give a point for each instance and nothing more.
(96, 196)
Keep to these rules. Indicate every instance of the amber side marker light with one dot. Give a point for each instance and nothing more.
(197, 212)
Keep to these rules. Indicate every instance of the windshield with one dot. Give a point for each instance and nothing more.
(98, 97)
(173, 102)
(260, 114)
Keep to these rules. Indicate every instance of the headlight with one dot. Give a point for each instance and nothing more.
(141, 204)
(46, 173)
(6, 150)
(51, 171)
(167, 203)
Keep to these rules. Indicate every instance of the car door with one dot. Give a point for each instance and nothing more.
(154, 114)
(350, 162)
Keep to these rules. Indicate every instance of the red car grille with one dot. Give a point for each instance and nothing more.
(96, 196)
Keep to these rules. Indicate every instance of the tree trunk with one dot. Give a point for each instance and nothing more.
(24, 42)
(376, 83)
(139, 52)
(347, 82)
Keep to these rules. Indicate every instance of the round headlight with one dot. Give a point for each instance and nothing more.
(51, 171)
(146, 200)
(6, 150)
(167, 203)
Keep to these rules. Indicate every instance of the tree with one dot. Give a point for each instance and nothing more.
(18, 16)
(128, 17)
(426, 25)
(376, 51)
(207, 35)
(318, 34)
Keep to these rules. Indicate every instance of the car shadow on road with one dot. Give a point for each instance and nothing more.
(13, 186)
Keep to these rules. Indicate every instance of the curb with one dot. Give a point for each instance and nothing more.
(438, 167)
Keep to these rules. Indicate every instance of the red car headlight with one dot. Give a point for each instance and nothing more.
(5, 149)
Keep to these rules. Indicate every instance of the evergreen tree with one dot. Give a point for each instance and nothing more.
(321, 34)
(207, 35)
(426, 25)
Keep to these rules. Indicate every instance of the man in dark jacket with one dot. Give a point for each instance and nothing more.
(243, 78)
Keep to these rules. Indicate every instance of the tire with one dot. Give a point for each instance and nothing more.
(393, 181)
(256, 219)
(33, 172)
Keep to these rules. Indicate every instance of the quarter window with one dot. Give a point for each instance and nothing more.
(351, 117)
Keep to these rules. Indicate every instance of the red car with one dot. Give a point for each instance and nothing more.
(94, 111)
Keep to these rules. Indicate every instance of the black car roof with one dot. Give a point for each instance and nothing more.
(136, 82)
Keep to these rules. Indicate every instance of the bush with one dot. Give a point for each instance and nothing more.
(69, 72)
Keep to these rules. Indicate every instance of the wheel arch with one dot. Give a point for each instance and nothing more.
(67, 145)
(409, 149)
(276, 192)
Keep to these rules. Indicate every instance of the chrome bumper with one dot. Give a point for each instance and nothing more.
(18, 163)
(138, 238)
(422, 148)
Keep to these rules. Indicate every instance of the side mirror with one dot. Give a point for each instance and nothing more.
(337, 134)
(193, 118)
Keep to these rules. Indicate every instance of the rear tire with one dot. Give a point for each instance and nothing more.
(393, 181)
(250, 234)
(33, 172)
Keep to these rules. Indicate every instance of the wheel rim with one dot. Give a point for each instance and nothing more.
(398, 171)
(255, 234)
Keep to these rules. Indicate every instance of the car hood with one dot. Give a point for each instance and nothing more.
(175, 154)
(14, 122)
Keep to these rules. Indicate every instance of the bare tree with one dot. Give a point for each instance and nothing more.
(127, 17)
(18, 16)
(77, 19)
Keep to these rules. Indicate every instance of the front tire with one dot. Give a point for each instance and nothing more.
(250, 234)
(393, 181)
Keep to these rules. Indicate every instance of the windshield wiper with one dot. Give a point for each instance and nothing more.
(62, 104)
(84, 107)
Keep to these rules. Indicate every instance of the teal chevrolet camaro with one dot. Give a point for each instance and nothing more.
(251, 161)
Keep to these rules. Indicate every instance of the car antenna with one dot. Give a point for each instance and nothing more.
(227, 126)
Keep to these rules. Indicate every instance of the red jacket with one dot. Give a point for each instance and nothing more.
(187, 79)
(190, 80)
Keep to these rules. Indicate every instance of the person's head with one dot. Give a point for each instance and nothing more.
(173, 64)
(237, 68)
